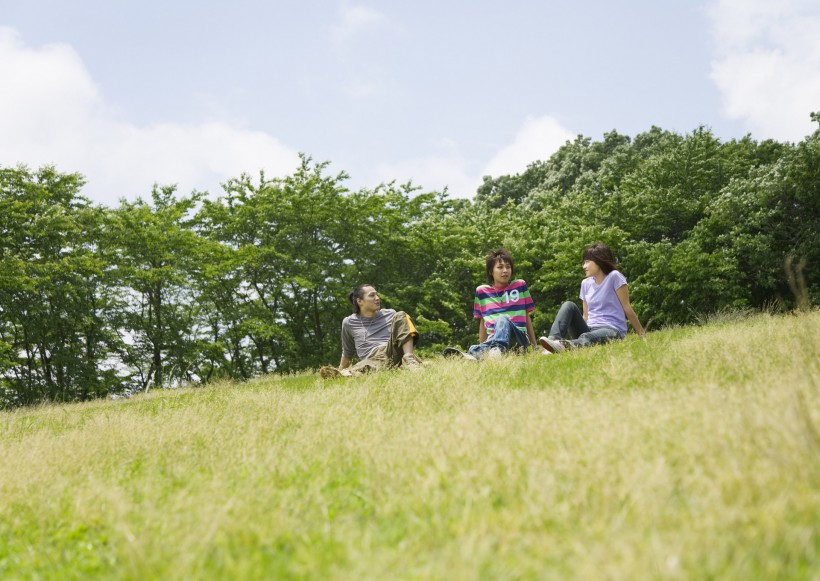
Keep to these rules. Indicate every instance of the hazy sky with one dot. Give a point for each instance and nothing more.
(440, 92)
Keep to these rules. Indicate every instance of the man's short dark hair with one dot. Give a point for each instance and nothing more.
(494, 257)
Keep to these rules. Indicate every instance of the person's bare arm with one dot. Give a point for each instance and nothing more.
(482, 331)
(623, 296)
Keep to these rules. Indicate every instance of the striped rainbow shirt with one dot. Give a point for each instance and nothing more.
(513, 300)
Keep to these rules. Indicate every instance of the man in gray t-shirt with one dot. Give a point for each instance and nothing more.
(380, 338)
(361, 335)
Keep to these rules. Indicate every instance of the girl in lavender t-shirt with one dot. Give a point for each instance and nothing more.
(605, 296)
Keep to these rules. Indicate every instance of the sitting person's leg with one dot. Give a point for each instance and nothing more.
(569, 322)
(376, 360)
(403, 338)
(514, 336)
(505, 335)
(595, 336)
(478, 350)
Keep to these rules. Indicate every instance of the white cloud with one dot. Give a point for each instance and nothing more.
(537, 139)
(51, 112)
(354, 21)
(432, 173)
(768, 64)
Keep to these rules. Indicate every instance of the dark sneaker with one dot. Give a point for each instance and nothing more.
(453, 353)
(551, 344)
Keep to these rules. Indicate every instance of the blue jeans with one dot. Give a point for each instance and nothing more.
(506, 336)
(570, 324)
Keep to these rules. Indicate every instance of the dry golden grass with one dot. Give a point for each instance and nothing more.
(692, 454)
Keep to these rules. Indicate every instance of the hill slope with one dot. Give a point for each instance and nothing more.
(692, 454)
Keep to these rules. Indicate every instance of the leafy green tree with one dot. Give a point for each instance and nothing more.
(158, 317)
(439, 267)
(55, 339)
(256, 281)
(668, 194)
(764, 216)
(282, 268)
(224, 316)
(700, 225)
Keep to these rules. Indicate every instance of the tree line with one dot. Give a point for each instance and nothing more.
(194, 288)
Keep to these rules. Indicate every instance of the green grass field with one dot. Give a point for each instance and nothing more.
(694, 454)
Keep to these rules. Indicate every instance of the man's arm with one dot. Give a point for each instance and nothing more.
(348, 345)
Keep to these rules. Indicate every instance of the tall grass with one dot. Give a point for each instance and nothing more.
(692, 454)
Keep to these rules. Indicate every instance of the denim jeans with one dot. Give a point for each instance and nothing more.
(570, 324)
(505, 337)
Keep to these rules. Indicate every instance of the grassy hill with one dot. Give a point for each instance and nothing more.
(692, 454)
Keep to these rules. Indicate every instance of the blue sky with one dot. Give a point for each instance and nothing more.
(440, 93)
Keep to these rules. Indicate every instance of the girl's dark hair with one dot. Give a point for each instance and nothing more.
(601, 255)
(358, 293)
(495, 256)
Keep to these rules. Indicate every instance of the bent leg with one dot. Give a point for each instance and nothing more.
(516, 336)
(402, 331)
(569, 322)
(376, 360)
(505, 335)
(500, 339)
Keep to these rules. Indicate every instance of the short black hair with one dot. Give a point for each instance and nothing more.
(495, 256)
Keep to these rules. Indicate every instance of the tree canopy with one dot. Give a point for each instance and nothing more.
(149, 294)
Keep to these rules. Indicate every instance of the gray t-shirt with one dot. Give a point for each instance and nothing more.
(360, 335)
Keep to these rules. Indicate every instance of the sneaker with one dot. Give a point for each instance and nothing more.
(453, 353)
(551, 344)
(411, 361)
(493, 353)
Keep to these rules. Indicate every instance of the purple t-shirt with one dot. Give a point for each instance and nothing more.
(604, 307)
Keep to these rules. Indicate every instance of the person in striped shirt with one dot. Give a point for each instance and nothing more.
(503, 307)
